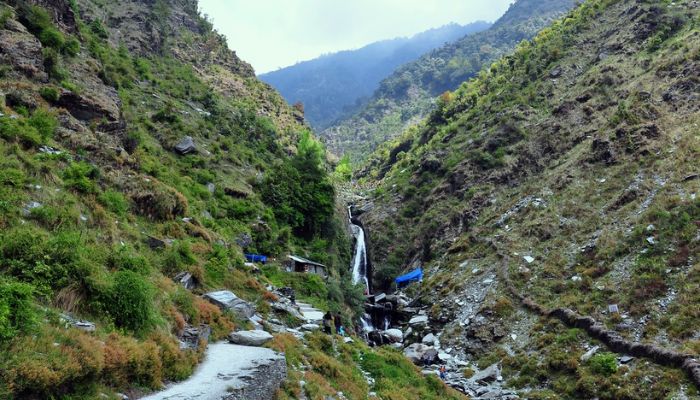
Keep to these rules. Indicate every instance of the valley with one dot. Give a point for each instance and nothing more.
(511, 215)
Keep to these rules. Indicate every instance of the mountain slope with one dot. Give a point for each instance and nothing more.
(407, 95)
(567, 173)
(332, 84)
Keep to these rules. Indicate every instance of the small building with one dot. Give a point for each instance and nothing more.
(301, 264)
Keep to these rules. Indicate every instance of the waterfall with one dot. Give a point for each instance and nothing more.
(359, 261)
(359, 267)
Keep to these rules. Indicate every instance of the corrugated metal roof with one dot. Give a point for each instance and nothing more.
(305, 261)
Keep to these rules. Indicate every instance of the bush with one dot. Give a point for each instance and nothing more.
(44, 122)
(126, 259)
(131, 302)
(17, 314)
(49, 94)
(79, 176)
(19, 130)
(115, 202)
(604, 363)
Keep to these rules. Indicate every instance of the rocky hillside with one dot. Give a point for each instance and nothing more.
(408, 94)
(561, 183)
(139, 160)
(334, 84)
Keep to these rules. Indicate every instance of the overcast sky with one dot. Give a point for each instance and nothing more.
(271, 34)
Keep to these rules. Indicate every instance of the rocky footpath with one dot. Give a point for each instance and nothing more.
(231, 372)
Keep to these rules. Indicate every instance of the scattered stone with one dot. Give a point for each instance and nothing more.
(211, 187)
(186, 280)
(250, 338)
(587, 355)
(418, 320)
(576, 278)
(488, 281)
(27, 210)
(310, 327)
(228, 301)
(185, 146)
(651, 240)
(528, 259)
(625, 359)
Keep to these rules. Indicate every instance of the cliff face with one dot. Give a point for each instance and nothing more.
(566, 173)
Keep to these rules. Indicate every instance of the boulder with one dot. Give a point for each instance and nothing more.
(192, 336)
(287, 308)
(429, 339)
(490, 374)
(394, 335)
(418, 320)
(226, 300)
(186, 280)
(185, 146)
(421, 354)
(310, 327)
(250, 338)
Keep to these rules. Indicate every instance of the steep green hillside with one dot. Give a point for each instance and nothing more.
(568, 173)
(333, 85)
(103, 200)
(407, 95)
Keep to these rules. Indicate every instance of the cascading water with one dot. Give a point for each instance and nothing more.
(359, 266)
(359, 261)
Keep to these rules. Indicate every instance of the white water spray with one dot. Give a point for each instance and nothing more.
(359, 267)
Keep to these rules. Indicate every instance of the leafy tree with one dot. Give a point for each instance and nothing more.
(299, 189)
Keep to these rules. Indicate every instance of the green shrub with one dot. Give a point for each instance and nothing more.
(49, 94)
(80, 177)
(604, 363)
(71, 47)
(20, 131)
(17, 313)
(126, 259)
(44, 122)
(115, 202)
(99, 29)
(130, 302)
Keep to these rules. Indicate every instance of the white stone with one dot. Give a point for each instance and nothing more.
(395, 335)
(529, 259)
(587, 355)
(651, 240)
(418, 320)
(250, 338)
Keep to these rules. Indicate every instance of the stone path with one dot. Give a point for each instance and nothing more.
(230, 372)
(311, 315)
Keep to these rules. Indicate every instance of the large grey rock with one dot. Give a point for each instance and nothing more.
(394, 335)
(421, 354)
(226, 300)
(249, 338)
(287, 308)
(186, 146)
(418, 320)
(490, 374)
(429, 339)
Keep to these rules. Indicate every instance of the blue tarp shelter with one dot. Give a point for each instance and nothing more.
(413, 276)
(256, 258)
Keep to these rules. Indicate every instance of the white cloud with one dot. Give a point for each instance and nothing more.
(276, 33)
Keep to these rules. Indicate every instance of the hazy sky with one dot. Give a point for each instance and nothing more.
(271, 34)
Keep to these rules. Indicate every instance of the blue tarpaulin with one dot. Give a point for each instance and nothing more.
(413, 276)
(256, 258)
